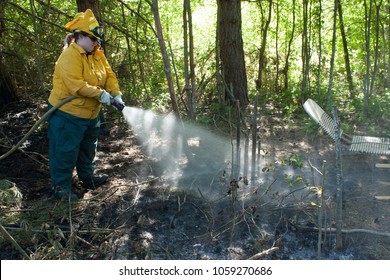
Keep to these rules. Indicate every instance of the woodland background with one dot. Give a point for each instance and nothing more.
(201, 60)
(189, 55)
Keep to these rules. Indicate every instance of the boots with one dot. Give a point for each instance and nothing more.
(91, 183)
(62, 194)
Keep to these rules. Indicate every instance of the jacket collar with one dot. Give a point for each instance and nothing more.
(96, 54)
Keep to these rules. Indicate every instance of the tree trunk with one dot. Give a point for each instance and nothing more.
(366, 88)
(7, 88)
(339, 175)
(232, 51)
(376, 50)
(163, 49)
(305, 49)
(290, 41)
(346, 53)
(264, 31)
(189, 65)
(277, 12)
(82, 5)
(39, 51)
(332, 58)
(218, 71)
(319, 48)
(138, 47)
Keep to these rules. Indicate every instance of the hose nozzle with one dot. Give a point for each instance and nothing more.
(117, 104)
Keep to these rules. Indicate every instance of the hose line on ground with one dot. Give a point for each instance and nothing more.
(35, 126)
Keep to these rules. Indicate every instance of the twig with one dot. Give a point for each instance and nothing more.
(203, 212)
(86, 242)
(180, 204)
(290, 193)
(13, 241)
(86, 231)
(264, 253)
(345, 231)
(315, 168)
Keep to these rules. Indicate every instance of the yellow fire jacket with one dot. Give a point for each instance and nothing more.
(84, 76)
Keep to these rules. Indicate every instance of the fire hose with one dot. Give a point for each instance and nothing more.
(113, 102)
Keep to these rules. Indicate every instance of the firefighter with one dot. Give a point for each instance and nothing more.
(81, 70)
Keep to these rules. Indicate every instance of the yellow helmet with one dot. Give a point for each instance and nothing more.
(87, 23)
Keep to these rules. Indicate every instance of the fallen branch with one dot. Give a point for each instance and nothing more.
(13, 241)
(346, 231)
(382, 197)
(63, 229)
(264, 253)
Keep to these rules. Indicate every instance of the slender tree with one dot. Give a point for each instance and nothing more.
(189, 64)
(266, 20)
(319, 47)
(38, 44)
(277, 12)
(376, 49)
(346, 52)
(332, 58)
(167, 67)
(305, 48)
(218, 71)
(367, 29)
(286, 67)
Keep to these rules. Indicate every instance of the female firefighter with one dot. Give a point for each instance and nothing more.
(82, 71)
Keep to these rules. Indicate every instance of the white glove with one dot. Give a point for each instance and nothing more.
(105, 97)
(118, 98)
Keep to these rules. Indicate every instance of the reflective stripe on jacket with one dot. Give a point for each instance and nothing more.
(84, 76)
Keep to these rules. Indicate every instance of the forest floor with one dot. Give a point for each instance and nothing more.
(142, 213)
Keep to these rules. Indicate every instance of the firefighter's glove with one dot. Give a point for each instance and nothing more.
(118, 98)
(105, 97)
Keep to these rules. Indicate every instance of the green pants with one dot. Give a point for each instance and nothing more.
(72, 143)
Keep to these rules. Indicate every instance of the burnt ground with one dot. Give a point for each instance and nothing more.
(142, 213)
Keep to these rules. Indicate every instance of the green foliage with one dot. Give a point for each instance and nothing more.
(292, 160)
(293, 181)
(378, 115)
(218, 108)
(32, 41)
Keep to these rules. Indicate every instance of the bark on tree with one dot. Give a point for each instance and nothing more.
(277, 12)
(266, 20)
(376, 49)
(332, 58)
(163, 49)
(39, 51)
(82, 5)
(7, 88)
(319, 47)
(366, 88)
(290, 41)
(189, 64)
(305, 49)
(346, 53)
(232, 51)
(339, 175)
(218, 71)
